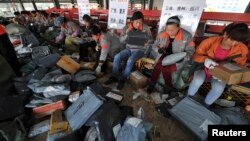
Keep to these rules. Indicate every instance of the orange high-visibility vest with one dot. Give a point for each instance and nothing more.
(2, 30)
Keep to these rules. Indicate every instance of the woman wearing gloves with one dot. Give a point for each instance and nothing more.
(88, 41)
(171, 43)
(108, 45)
(71, 33)
(217, 49)
(132, 52)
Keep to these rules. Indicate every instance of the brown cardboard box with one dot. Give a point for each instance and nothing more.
(68, 64)
(57, 123)
(246, 75)
(87, 65)
(138, 80)
(229, 73)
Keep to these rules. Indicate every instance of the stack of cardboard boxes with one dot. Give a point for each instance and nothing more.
(138, 80)
(231, 73)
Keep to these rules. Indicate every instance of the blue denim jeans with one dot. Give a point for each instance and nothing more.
(128, 55)
(217, 87)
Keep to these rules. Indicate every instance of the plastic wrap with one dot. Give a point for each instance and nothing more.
(82, 109)
(232, 115)
(194, 116)
(173, 58)
(48, 61)
(108, 116)
(40, 51)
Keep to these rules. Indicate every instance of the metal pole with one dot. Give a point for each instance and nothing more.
(107, 4)
(21, 3)
(34, 4)
(248, 8)
(144, 4)
(56, 3)
(151, 3)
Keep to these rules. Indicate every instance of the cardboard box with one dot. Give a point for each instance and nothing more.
(138, 80)
(48, 109)
(68, 64)
(229, 73)
(246, 75)
(57, 123)
(87, 65)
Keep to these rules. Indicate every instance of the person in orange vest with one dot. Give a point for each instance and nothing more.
(170, 42)
(8, 52)
(218, 49)
(88, 41)
(132, 52)
(70, 34)
(108, 45)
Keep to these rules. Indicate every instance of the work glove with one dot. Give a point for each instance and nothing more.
(98, 70)
(210, 64)
(98, 47)
(217, 79)
(161, 50)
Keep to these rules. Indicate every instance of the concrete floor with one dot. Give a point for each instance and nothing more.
(165, 129)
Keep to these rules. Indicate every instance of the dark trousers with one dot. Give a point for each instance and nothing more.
(8, 52)
(165, 70)
(84, 52)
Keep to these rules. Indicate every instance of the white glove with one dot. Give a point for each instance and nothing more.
(98, 70)
(209, 63)
(51, 28)
(73, 97)
(217, 79)
(97, 48)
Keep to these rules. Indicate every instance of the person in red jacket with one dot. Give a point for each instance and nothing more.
(169, 43)
(218, 49)
(8, 52)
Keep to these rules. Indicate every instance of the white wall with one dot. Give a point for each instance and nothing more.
(8, 9)
(158, 4)
(217, 5)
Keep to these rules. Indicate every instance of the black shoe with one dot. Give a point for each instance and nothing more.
(168, 90)
(120, 84)
(209, 107)
(85, 59)
(150, 88)
(111, 80)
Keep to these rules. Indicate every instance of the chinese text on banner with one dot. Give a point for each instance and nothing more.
(83, 8)
(189, 12)
(118, 10)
